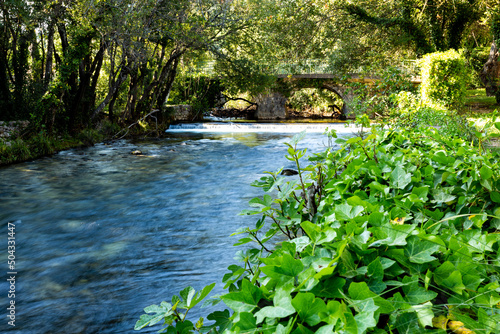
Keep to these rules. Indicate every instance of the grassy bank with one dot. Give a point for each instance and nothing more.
(30, 144)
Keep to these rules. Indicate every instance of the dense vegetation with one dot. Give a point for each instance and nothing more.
(67, 65)
(395, 232)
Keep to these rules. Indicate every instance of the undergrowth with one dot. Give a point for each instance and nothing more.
(394, 233)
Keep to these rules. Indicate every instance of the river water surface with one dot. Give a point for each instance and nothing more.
(102, 233)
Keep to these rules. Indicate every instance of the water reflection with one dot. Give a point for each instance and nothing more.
(104, 233)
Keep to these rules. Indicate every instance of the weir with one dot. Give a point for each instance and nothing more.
(261, 127)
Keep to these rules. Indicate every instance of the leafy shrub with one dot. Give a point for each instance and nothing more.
(412, 113)
(376, 98)
(395, 233)
(444, 78)
(199, 91)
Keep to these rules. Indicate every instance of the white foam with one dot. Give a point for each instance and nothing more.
(260, 127)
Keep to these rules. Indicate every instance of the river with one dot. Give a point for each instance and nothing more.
(101, 233)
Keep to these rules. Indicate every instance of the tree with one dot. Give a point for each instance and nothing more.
(490, 75)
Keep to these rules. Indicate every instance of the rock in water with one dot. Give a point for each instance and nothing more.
(136, 152)
(288, 172)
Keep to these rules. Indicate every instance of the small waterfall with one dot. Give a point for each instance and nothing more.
(260, 127)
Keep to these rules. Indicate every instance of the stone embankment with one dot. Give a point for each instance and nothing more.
(9, 130)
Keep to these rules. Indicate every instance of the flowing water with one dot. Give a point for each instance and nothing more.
(101, 233)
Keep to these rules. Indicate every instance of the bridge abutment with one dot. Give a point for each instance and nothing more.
(271, 106)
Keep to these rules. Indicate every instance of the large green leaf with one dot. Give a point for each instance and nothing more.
(309, 307)
(361, 291)
(222, 321)
(284, 269)
(245, 299)
(282, 306)
(399, 178)
(420, 251)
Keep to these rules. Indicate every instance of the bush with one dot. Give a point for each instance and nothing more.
(395, 233)
(444, 78)
(412, 114)
(377, 99)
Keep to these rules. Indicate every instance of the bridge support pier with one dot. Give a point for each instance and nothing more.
(271, 106)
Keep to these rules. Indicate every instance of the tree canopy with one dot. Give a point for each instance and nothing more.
(65, 64)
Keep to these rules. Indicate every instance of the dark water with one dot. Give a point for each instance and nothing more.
(101, 233)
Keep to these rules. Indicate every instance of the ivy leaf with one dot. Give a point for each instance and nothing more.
(391, 234)
(442, 196)
(346, 212)
(244, 300)
(399, 178)
(282, 308)
(420, 295)
(284, 269)
(424, 314)
(309, 307)
(495, 196)
(245, 321)
(360, 291)
(366, 314)
(222, 321)
(485, 172)
(419, 251)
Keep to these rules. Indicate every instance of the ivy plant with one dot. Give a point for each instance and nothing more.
(395, 232)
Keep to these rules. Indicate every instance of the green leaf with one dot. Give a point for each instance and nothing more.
(297, 138)
(245, 321)
(244, 300)
(284, 269)
(486, 172)
(222, 321)
(419, 251)
(424, 314)
(282, 307)
(309, 307)
(420, 295)
(442, 196)
(346, 212)
(391, 234)
(399, 178)
(360, 291)
(187, 295)
(201, 295)
(495, 196)
(366, 314)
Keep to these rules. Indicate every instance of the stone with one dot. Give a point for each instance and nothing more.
(289, 172)
(182, 112)
(271, 107)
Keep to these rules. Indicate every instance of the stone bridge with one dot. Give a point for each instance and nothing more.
(312, 74)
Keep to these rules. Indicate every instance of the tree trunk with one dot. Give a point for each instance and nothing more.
(490, 75)
(169, 82)
(48, 61)
(111, 92)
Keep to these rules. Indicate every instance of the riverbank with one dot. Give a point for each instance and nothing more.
(19, 142)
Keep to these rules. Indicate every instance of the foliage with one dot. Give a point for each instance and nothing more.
(444, 78)
(424, 27)
(393, 233)
(475, 60)
(199, 91)
(318, 100)
(413, 113)
(375, 98)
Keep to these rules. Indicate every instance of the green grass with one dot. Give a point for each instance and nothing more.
(478, 96)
